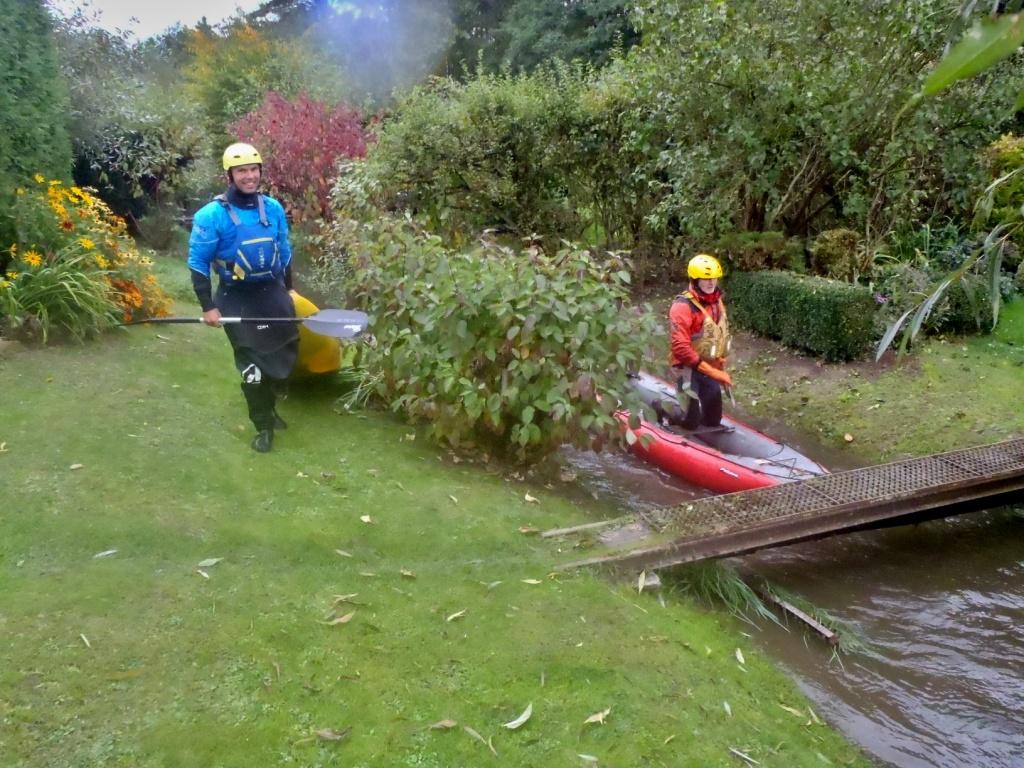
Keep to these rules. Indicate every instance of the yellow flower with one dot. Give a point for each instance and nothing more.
(14, 249)
(60, 210)
(55, 182)
(101, 262)
(39, 178)
(86, 243)
(12, 275)
(32, 258)
(20, 191)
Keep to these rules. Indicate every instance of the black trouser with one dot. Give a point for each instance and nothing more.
(706, 408)
(264, 353)
(260, 391)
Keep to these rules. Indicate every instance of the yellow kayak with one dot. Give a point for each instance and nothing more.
(317, 354)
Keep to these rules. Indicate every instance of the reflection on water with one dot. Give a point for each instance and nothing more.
(940, 604)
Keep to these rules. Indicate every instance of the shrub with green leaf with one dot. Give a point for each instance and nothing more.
(517, 353)
(833, 319)
(33, 104)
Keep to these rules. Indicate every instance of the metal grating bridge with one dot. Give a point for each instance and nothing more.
(742, 522)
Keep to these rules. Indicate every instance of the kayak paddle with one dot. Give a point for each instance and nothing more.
(338, 323)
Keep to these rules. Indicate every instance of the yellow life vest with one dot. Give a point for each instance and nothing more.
(714, 340)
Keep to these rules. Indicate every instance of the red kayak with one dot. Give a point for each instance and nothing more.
(731, 457)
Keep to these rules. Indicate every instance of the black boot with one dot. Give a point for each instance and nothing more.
(263, 441)
(279, 423)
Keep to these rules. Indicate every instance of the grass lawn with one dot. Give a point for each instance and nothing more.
(947, 394)
(125, 465)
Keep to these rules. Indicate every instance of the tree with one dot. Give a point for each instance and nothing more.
(33, 104)
(535, 31)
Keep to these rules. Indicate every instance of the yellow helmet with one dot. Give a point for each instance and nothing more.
(241, 154)
(704, 267)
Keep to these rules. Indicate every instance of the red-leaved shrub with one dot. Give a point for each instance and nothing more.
(300, 140)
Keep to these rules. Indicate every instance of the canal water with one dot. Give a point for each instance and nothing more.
(939, 605)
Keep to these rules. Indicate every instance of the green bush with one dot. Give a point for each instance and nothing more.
(517, 353)
(828, 318)
(838, 254)
(753, 251)
(33, 105)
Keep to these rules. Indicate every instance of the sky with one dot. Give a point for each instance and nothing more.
(154, 17)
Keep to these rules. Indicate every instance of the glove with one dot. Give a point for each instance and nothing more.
(714, 374)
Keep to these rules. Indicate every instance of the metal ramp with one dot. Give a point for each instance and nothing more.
(738, 523)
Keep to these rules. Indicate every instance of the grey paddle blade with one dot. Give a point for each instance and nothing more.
(339, 323)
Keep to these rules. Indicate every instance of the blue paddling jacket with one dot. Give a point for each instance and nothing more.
(242, 245)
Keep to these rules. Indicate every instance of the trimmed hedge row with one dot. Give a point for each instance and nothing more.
(829, 318)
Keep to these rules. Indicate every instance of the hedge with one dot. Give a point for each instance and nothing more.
(829, 318)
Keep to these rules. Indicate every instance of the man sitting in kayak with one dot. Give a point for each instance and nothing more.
(699, 332)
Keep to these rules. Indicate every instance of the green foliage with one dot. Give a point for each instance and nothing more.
(780, 116)
(550, 153)
(533, 32)
(840, 255)
(72, 264)
(230, 73)
(33, 104)
(489, 153)
(835, 320)
(135, 135)
(754, 251)
(66, 293)
(987, 43)
(1004, 161)
(517, 353)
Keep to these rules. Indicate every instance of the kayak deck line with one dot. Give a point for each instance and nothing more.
(940, 485)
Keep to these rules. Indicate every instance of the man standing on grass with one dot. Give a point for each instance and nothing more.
(242, 235)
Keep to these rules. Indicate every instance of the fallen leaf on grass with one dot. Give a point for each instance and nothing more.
(209, 562)
(670, 738)
(344, 598)
(814, 717)
(407, 574)
(527, 713)
(343, 553)
(742, 756)
(480, 738)
(792, 711)
(531, 581)
(3, 447)
(848, 437)
(443, 725)
(300, 473)
(329, 734)
(641, 581)
(104, 553)
(453, 498)
(598, 717)
(341, 619)
(493, 584)
(86, 641)
(202, 573)
(528, 530)
(76, 466)
(739, 656)
(456, 615)
(727, 708)
(531, 500)
(587, 758)
(366, 519)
